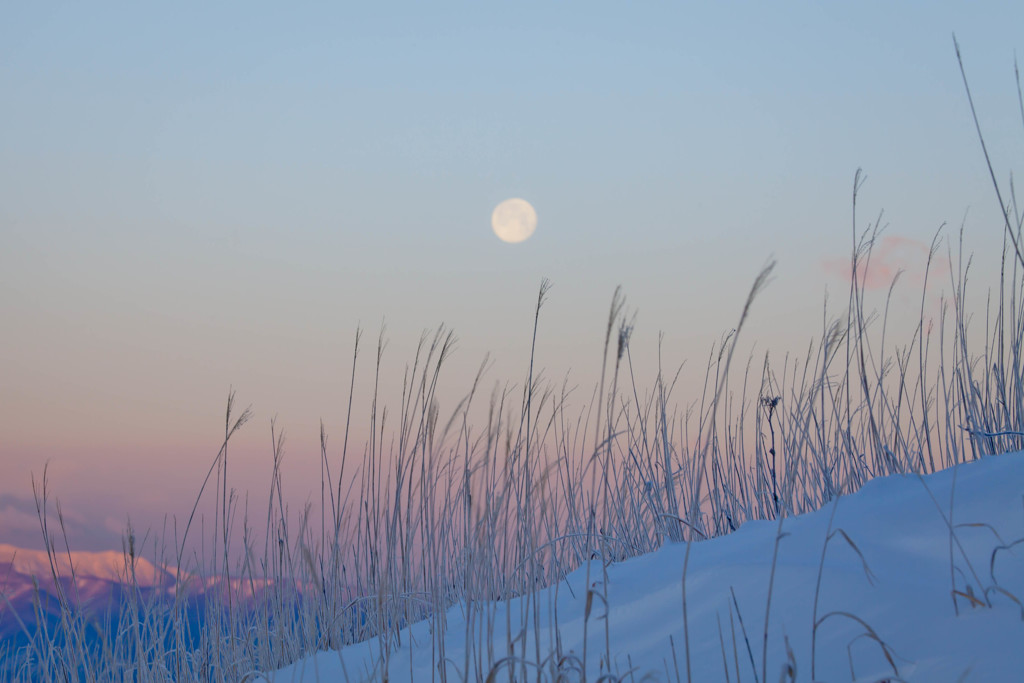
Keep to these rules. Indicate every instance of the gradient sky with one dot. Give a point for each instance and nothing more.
(194, 198)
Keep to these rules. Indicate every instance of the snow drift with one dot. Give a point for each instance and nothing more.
(921, 579)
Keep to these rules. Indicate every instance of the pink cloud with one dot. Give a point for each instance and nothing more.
(889, 257)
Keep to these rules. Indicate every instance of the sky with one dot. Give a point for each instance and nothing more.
(196, 199)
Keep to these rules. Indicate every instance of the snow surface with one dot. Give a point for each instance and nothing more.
(902, 536)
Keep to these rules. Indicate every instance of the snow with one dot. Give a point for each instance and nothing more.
(107, 565)
(898, 523)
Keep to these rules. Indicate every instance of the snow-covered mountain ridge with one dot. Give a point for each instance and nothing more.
(107, 565)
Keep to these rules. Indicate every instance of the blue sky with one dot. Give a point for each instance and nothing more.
(197, 197)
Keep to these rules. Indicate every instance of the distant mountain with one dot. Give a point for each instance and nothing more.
(110, 565)
(97, 585)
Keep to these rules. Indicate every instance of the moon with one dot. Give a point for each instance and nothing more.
(514, 220)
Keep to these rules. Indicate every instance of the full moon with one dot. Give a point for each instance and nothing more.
(514, 220)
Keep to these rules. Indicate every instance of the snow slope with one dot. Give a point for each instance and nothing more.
(899, 527)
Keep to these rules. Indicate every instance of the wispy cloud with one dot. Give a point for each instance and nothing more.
(19, 525)
(890, 256)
